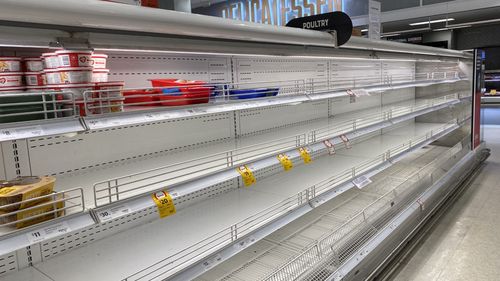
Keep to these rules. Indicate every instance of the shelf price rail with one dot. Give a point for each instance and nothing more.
(202, 249)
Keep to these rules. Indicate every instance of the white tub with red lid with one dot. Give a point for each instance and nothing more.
(75, 92)
(39, 89)
(11, 79)
(34, 78)
(99, 61)
(74, 58)
(33, 64)
(108, 96)
(9, 90)
(10, 64)
(100, 75)
(70, 75)
(50, 60)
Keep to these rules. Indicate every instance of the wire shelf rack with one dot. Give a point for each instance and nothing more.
(209, 245)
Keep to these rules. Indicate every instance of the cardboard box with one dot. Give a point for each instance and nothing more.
(39, 213)
(24, 188)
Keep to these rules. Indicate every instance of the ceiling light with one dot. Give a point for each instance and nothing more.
(364, 30)
(431, 21)
(452, 27)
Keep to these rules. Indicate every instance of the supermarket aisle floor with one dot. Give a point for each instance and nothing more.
(465, 243)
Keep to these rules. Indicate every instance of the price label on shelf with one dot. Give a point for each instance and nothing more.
(362, 181)
(346, 141)
(246, 175)
(360, 92)
(113, 213)
(164, 203)
(329, 145)
(285, 162)
(21, 133)
(245, 243)
(306, 156)
(48, 232)
(211, 262)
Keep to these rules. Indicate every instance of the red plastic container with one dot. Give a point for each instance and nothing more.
(192, 92)
(146, 97)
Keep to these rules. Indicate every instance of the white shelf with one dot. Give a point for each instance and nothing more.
(262, 258)
(142, 246)
(48, 127)
(86, 179)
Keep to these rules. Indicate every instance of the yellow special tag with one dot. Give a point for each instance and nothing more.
(164, 202)
(285, 161)
(305, 155)
(246, 175)
(493, 92)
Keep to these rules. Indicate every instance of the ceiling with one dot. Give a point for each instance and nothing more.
(460, 18)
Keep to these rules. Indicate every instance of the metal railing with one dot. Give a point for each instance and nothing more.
(106, 101)
(205, 247)
(17, 107)
(120, 188)
(335, 245)
(40, 209)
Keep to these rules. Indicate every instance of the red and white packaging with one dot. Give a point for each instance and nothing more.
(11, 79)
(11, 90)
(38, 89)
(34, 78)
(10, 64)
(99, 61)
(74, 58)
(100, 75)
(74, 92)
(108, 96)
(50, 60)
(70, 75)
(33, 64)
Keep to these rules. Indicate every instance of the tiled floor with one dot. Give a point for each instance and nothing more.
(465, 243)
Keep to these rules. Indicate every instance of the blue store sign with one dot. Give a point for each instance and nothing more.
(279, 12)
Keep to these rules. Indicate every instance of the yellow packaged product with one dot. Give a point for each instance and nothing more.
(24, 188)
(39, 213)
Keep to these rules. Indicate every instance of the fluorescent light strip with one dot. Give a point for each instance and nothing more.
(432, 21)
(364, 30)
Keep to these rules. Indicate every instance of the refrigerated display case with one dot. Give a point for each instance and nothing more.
(329, 160)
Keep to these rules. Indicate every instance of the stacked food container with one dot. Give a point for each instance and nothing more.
(11, 75)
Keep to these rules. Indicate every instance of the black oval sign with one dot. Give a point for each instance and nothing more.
(338, 21)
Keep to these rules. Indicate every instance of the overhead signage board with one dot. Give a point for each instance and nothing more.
(280, 12)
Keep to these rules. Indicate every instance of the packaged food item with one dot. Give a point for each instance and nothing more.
(108, 96)
(50, 60)
(99, 61)
(11, 90)
(34, 78)
(74, 92)
(10, 64)
(34, 64)
(22, 189)
(74, 58)
(11, 79)
(50, 208)
(70, 75)
(100, 75)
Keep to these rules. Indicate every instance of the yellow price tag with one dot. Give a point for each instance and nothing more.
(164, 202)
(305, 155)
(493, 92)
(246, 175)
(285, 161)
